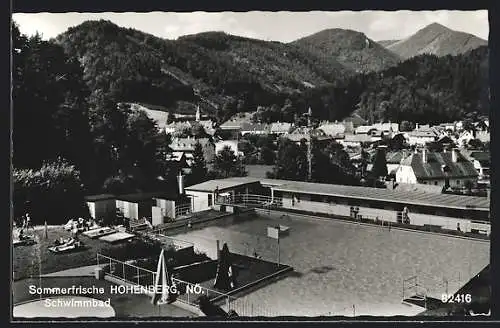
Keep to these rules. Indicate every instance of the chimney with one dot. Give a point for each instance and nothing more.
(416, 126)
(424, 155)
(454, 155)
(180, 183)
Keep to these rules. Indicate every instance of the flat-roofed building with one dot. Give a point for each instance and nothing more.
(101, 206)
(420, 207)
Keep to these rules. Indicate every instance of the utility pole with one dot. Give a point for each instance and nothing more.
(309, 145)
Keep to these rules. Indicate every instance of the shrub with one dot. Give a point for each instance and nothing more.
(53, 193)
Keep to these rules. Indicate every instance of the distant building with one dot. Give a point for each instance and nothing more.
(232, 144)
(254, 128)
(464, 138)
(186, 145)
(178, 161)
(355, 120)
(389, 129)
(482, 163)
(355, 140)
(176, 127)
(364, 129)
(448, 126)
(335, 130)
(236, 121)
(484, 136)
(301, 133)
(435, 168)
(422, 135)
(281, 128)
(393, 160)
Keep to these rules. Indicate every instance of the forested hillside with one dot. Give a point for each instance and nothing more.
(130, 65)
(227, 74)
(436, 39)
(350, 48)
(428, 88)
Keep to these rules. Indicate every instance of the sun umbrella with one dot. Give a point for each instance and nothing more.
(224, 278)
(163, 283)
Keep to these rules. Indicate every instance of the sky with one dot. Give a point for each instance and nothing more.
(273, 26)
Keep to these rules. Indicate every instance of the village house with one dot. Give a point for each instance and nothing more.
(335, 130)
(393, 160)
(354, 121)
(236, 121)
(464, 138)
(254, 128)
(178, 161)
(364, 129)
(387, 128)
(301, 133)
(177, 127)
(281, 128)
(483, 136)
(482, 163)
(422, 135)
(356, 140)
(436, 168)
(186, 145)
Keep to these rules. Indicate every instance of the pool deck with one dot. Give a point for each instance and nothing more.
(125, 305)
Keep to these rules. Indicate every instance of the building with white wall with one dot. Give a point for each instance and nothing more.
(437, 168)
(101, 206)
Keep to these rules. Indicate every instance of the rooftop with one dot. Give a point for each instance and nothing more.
(94, 198)
(388, 195)
(222, 184)
(433, 168)
(137, 197)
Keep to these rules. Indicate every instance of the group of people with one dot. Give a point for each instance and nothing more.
(25, 224)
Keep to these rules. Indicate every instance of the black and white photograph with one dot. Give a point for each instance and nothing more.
(262, 165)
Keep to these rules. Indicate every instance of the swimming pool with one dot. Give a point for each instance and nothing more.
(343, 268)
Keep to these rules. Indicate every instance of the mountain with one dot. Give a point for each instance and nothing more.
(438, 40)
(386, 43)
(214, 68)
(350, 48)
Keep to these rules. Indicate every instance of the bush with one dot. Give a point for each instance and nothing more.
(54, 193)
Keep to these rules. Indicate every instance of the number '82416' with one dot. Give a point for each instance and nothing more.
(456, 298)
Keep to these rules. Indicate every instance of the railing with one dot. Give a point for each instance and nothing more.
(126, 272)
(250, 200)
(167, 240)
(189, 293)
(182, 210)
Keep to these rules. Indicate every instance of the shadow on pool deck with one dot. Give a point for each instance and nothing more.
(251, 273)
(125, 305)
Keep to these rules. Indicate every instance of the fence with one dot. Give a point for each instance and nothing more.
(182, 210)
(167, 240)
(250, 200)
(126, 272)
(448, 285)
(189, 292)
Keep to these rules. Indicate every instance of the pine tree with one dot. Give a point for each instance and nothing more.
(199, 167)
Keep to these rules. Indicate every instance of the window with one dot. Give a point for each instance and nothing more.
(435, 183)
(458, 182)
(209, 199)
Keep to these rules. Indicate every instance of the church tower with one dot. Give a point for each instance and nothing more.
(198, 113)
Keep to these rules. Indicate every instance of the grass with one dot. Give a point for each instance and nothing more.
(32, 260)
